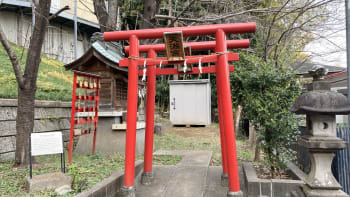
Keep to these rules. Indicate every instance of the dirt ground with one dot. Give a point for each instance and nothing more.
(210, 131)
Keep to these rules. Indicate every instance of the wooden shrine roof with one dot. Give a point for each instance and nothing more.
(106, 53)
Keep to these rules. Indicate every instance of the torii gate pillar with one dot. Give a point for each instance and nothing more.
(224, 93)
(133, 77)
(147, 174)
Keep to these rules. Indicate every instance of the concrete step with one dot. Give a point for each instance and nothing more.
(191, 177)
(200, 158)
(162, 176)
(187, 181)
(191, 158)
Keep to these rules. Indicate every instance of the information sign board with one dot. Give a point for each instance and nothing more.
(46, 143)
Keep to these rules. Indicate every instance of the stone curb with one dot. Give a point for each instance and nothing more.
(111, 186)
(279, 187)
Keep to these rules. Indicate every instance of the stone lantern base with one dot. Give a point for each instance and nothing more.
(320, 182)
(323, 193)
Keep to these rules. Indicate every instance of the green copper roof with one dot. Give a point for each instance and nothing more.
(107, 52)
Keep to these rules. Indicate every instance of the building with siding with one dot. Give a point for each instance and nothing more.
(16, 20)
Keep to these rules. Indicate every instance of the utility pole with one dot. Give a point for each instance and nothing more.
(33, 16)
(75, 30)
(347, 15)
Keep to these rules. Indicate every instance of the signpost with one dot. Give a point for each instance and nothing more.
(46, 144)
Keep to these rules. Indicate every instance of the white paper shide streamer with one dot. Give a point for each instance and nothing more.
(144, 71)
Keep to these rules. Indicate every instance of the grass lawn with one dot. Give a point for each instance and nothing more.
(54, 82)
(86, 170)
(201, 138)
(89, 169)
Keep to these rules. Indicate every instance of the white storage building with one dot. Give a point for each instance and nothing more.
(190, 102)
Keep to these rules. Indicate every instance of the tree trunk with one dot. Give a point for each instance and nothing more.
(24, 125)
(106, 20)
(26, 94)
(252, 135)
(170, 10)
(257, 152)
(237, 117)
(150, 9)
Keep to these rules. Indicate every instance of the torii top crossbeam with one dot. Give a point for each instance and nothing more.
(231, 28)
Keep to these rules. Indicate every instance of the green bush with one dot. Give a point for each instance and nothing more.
(266, 93)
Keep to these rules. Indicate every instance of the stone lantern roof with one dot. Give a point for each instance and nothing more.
(320, 100)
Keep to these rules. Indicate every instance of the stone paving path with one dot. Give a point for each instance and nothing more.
(191, 177)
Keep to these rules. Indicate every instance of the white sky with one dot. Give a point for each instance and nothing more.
(330, 48)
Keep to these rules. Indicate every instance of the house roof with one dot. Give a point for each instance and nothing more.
(303, 68)
(335, 74)
(108, 53)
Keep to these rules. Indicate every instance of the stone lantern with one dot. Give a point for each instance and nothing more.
(321, 106)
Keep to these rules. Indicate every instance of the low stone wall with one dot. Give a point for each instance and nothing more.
(49, 116)
(111, 186)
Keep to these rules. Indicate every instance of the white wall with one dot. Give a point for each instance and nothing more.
(59, 40)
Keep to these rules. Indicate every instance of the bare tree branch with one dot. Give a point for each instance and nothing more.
(179, 18)
(181, 13)
(13, 58)
(218, 18)
(58, 12)
(266, 45)
(290, 29)
(325, 38)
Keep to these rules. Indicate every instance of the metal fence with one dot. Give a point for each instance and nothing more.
(341, 162)
(303, 158)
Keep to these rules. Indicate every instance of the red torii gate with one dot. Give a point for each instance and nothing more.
(151, 73)
(223, 86)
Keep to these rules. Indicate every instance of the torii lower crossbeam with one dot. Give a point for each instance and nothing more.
(189, 60)
(174, 71)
